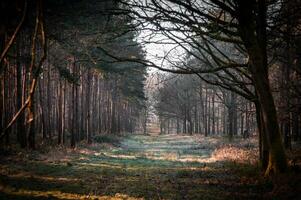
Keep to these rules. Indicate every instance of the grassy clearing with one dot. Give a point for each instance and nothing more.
(139, 167)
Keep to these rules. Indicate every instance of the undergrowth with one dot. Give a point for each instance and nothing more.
(107, 138)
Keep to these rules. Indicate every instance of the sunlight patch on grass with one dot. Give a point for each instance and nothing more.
(175, 157)
(85, 151)
(101, 165)
(119, 156)
(232, 153)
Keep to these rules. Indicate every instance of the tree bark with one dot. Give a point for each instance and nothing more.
(256, 48)
(263, 145)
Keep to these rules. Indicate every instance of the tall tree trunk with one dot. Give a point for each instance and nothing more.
(263, 143)
(218, 120)
(213, 114)
(42, 110)
(255, 43)
(21, 120)
(31, 124)
(242, 123)
(206, 112)
(71, 112)
(225, 120)
(76, 105)
(49, 105)
(208, 115)
(113, 107)
(235, 127)
(63, 114)
(184, 120)
(178, 126)
(59, 113)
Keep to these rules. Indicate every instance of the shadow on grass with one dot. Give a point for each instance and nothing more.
(141, 167)
(139, 178)
(7, 196)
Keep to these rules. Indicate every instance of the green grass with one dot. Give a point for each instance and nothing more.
(148, 167)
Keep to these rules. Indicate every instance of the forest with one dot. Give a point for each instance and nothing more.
(150, 99)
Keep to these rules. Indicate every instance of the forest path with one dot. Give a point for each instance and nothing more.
(139, 167)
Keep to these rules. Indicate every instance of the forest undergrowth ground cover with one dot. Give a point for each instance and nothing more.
(143, 167)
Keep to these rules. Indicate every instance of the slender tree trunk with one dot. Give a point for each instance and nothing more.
(206, 113)
(178, 126)
(21, 120)
(42, 110)
(49, 105)
(184, 127)
(213, 114)
(196, 120)
(225, 120)
(242, 123)
(63, 114)
(73, 121)
(31, 125)
(218, 120)
(209, 115)
(76, 106)
(59, 113)
(202, 113)
(88, 91)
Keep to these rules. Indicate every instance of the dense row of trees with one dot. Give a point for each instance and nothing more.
(186, 104)
(76, 91)
(285, 71)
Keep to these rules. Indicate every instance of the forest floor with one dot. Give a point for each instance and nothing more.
(142, 167)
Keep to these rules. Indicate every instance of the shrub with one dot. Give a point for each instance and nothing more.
(107, 138)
